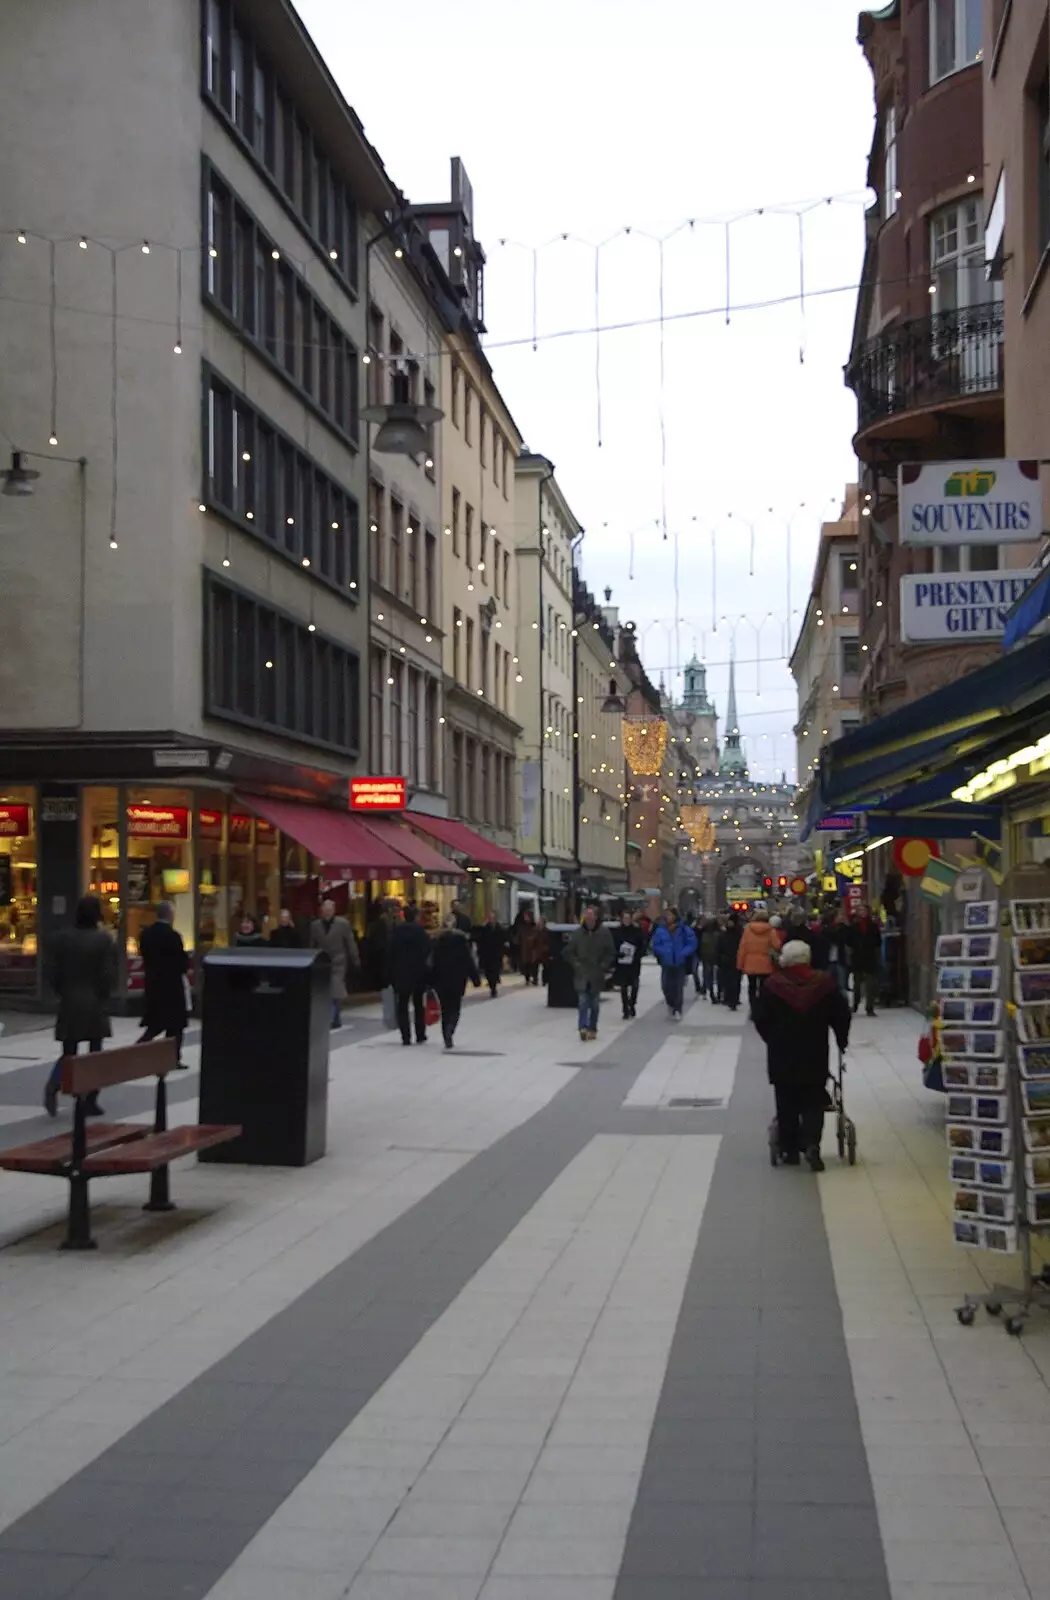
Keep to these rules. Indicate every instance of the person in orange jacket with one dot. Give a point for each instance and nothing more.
(758, 945)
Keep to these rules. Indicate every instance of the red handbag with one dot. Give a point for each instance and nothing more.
(433, 1009)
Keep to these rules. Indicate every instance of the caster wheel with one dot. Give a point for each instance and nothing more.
(842, 1147)
(994, 1309)
(853, 1152)
(965, 1315)
(1014, 1326)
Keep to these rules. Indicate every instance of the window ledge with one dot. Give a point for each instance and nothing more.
(1036, 283)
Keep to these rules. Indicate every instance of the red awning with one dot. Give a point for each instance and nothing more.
(423, 856)
(338, 840)
(465, 842)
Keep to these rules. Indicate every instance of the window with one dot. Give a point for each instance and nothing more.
(412, 542)
(483, 663)
(432, 727)
(850, 657)
(275, 311)
(506, 578)
(483, 436)
(395, 554)
(265, 669)
(468, 652)
(468, 415)
(486, 787)
(415, 690)
(497, 674)
(967, 558)
(456, 383)
(457, 649)
(506, 681)
(455, 521)
(483, 554)
(376, 500)
(244, 89)
(468, 534)
(376, 687)
(376, 395)
(429, 399)
(280, 495)
(496, 447)
(397, 716)
(496, 567)
(890, 183)
(506, 472)
(849, 574)
(1040, 100)
(955, 36)
(957, 257)
(430, 577)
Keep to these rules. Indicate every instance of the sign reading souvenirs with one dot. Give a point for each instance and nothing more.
(959, 606)
(377, 794)
(837, 824)
(969, 502)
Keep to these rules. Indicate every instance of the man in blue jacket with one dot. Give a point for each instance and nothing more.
(674, 946)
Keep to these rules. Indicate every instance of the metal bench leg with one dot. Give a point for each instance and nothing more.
(78, 1228)
(159, 1189)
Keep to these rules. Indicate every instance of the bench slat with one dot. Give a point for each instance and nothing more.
(83, 1074)
(52, 1155)
(158, 1149)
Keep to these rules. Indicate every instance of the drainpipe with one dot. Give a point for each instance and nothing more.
(543, 645)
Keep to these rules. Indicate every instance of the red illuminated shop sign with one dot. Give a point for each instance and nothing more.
(377, 794)
(14, 822)
(158, 822)
(209, 824)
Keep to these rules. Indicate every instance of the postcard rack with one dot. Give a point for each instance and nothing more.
(996, 1067)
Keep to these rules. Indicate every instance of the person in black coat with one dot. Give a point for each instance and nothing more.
(164, 967)
(249, 935)
(630, 944)
(865, 952)
(453, 967)
(286, 935)
(794, 1013)
(83, 974)
(491, 942)
(408, 972)
(729, 975)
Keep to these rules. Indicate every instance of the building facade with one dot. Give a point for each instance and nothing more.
(187, 616)
(928, 362)
(479, 620)
(599, 775)
(826, 661)
(545, 533)
(653, 835)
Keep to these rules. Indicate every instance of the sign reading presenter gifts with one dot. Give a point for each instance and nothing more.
(969, 502)
(955, 607)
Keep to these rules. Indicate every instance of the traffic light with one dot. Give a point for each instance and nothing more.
(767, 884)
(782, 884)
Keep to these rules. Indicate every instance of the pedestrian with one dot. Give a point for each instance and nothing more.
(286, 936)
(409, 958)
(249, 935)
(865, 947)
(838, 950)
(530, 949)
(335, 937)
(630, 948)
(453, 966)
(754, 958)
(490, 941)
(164, 968)
(794, 1011)
(463, 922)
(83, 974)
(674, 946)
(591, 953)
(709, 960)
(728, 971)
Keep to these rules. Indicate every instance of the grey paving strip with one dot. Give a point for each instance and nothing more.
(756, 1482)
(167, 1509)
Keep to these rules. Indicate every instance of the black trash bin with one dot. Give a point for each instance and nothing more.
(561, 986)
(266, 1017)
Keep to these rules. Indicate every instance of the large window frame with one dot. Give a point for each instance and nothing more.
(890, 183)
(956, 36)
(310, 692)
(280, 495)
(246, 280)
(278, 140)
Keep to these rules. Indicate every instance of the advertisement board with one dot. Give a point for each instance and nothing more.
(954, 607)
(377, 794)
(969, 502)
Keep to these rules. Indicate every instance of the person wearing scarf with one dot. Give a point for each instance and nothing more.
(794, 1013)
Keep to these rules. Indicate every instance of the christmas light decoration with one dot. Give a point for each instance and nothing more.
(644, 742)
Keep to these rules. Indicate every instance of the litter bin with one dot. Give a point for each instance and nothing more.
(265, 1025)
(561, 986)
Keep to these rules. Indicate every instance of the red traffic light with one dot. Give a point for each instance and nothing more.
(768, 882)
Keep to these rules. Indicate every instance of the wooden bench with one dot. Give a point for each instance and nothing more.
(106, 1149)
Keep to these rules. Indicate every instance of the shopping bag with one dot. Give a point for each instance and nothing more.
(432, 1010)
(389, 1007)
(932, 1076)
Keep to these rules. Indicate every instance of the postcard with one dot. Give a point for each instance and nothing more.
(980, 914)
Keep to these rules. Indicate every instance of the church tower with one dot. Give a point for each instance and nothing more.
(733, 762)
(695, 717)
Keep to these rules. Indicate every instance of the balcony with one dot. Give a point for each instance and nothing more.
(949, 362)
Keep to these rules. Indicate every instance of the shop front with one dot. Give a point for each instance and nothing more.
(492, 871)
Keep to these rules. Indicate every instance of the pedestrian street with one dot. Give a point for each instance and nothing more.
(544, 1324)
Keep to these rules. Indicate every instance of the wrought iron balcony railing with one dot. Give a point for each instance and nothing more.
(927, 362)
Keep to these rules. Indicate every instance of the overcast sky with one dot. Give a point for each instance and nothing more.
(584, 118)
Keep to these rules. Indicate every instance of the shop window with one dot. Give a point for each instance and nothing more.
(18, 879)
(100, 850)
(213, 911)
(159, 866)
(254, 869)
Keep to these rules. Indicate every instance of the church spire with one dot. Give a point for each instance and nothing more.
(733, 762)
(732, 730)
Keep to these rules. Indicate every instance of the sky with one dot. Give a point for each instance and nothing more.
(591, 117)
